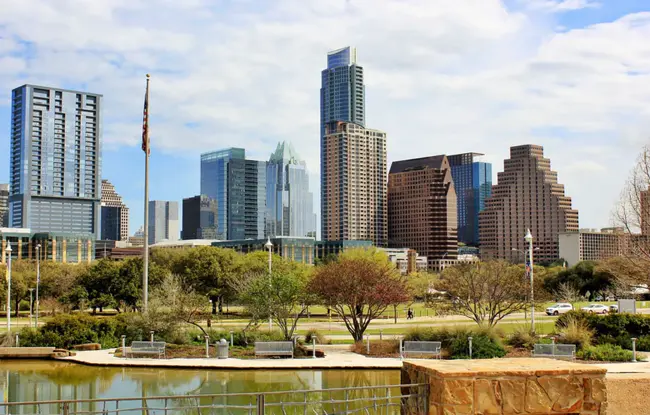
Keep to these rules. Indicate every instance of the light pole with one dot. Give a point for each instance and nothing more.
(529, 238)
(269, 246)
(8, 251)
(31, 305)
(38, 278)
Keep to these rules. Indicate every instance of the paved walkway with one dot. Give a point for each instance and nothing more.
(335, 358)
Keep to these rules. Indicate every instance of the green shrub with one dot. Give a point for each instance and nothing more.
(66, 330)
(486, 343)
(614, 328)
(605, 353)
(643, 343)
(575, 331)
(313, 334)
(522, 338)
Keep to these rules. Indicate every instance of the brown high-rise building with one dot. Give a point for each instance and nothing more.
(645, 212)
(527, 196)
(422, 211)
(115, 214)
(353, 184)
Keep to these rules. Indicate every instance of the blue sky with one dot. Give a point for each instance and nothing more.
(442, 76)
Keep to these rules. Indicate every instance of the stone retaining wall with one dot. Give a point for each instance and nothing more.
(508, 386)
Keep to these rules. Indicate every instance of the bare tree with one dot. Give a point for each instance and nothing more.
(173, 303)
(569, 293)
(629, 214)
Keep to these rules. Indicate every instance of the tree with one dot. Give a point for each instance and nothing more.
(569, 293)
(485, 292)
(171, 303)
(359, 286)
(283, 297)
(629, 214)
(585, 276)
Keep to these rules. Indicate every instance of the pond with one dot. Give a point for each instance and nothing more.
(38, 380)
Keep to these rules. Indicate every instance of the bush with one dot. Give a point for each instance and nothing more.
(486, 344)
(313, 334)
(643, 343)
(615, 328)
(66, 330)
(378, 348)
(522, 338)
(575, 331)
(605, 353)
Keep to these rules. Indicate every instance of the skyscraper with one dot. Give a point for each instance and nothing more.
(163, 221)
(353, 175)
(527, 196)
(115, 214)
(342, 93)
(473, 184)
(200, 216)
(246, 192)
(214, 182)
(4, 205)
(645, 212)
(55, 160)
(289, 203)
(422, 208)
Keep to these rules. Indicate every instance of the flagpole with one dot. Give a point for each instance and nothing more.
(145, 260)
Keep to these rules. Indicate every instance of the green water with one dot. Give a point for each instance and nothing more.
(26, 380)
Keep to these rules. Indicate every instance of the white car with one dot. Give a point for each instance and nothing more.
(596, 309)
(559, 308)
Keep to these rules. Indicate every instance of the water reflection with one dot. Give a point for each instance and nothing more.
(24, 380)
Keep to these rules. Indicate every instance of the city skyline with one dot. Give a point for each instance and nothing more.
(524, 75)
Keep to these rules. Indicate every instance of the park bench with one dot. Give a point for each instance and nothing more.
(284, 348)
(147, 348)
(420, 348)
(555, 351)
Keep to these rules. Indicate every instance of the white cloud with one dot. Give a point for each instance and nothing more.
(442, 76)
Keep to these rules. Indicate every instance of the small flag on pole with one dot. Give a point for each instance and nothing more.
(145, 121)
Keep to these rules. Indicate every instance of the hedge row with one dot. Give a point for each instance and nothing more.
(616, 329)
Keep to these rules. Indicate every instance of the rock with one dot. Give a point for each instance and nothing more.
(458, 392)
(487, 396)
(87, 346)
(513, 395)
(537, 401)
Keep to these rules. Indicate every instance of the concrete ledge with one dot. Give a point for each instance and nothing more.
(26, 352)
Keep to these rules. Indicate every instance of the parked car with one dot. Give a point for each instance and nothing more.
(613, 308)
(596, 309)
(559, 308)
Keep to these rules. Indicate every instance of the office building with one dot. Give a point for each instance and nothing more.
(115, 214)
(527, 196)
(291, 248)
(422, 208)
(645, 212)
(353, 177)
(325, 249)
(406, 260)
(246, 189)
(137, 239)
(473, 184)
(591, 245)
(55, 160)
(200, 218)
(342, 92)
(163, 221)
(54, 246)
(4, 205)
(214, 182)
(289, 203)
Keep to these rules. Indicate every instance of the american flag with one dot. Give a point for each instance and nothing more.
(145, 121)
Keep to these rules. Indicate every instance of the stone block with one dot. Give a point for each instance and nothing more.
(537, 401)
(457, 410)
(566, 392)
(436, 387)
(598, 390)
(487, 397)
(458, 392)
(513, 395)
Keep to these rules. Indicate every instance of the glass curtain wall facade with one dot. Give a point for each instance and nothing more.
(246, 199)
(200, 215)
(55, 160)
(289, 203)
(473, 184)
(214, 182)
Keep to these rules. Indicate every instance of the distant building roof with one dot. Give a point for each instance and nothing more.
(432, 162)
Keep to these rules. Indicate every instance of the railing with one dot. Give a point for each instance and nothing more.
(392, 399)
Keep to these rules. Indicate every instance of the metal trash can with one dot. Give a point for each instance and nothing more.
(222, 349)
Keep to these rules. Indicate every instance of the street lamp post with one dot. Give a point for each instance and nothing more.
(38, 279)
(529, 238)
(31, 304)
(269, 246)
(8, 251)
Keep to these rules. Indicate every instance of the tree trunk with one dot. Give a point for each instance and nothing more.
(17, 311)
(214, 306)
(221, 304)
(395, 312)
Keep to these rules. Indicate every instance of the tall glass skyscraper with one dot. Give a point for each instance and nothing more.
(342, 93)
(214, 182)
(55, 160)
(289, 203)
(246, 199)
(473, 183)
